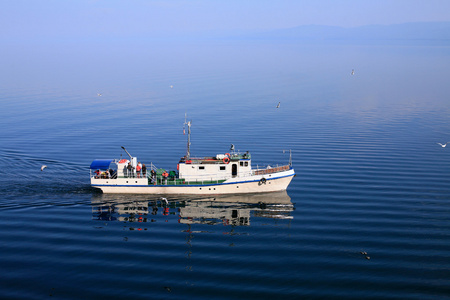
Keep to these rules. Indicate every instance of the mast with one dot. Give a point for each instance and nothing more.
(290, 156)
(188, 123)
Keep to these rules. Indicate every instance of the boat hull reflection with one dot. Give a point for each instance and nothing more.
(234, 210)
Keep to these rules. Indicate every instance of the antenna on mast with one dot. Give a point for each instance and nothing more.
(188, 123)
(290, 156)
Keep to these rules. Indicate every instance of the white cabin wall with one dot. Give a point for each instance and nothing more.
(122, 169)
(207, 172)
(244, 167)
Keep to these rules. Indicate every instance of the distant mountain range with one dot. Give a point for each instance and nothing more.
(420, 32)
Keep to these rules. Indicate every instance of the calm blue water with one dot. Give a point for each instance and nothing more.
(370, 175)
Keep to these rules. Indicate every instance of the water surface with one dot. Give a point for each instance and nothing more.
(370, 175)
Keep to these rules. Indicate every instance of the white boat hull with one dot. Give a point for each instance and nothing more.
(252, 184)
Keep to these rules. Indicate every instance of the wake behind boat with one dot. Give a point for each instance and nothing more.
(229, 173)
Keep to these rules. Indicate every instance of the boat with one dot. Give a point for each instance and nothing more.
(228, 173)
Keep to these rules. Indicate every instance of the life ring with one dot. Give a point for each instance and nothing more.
(262, 181)
(228, 154)
(122, 161)
(226, 160)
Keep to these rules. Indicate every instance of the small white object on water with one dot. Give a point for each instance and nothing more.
(43, 167)
(353, 72)
(171, 86)
(98, 94)
(165, 200)
(278, 106)
(443, 145)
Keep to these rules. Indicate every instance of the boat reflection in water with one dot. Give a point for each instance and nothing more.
(233, 210)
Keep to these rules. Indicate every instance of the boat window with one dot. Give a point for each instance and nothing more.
(222, 168)
(241, 163)
(201, 167)
(246, 163)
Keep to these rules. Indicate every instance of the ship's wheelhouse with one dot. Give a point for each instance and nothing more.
(220, 167)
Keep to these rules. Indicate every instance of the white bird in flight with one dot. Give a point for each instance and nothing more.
(443, 145)
(43, 167)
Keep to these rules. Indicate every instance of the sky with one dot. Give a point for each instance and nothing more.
(134, 18)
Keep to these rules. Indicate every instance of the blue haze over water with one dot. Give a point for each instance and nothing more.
(370, 174)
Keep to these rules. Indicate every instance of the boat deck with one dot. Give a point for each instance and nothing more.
(175, 181)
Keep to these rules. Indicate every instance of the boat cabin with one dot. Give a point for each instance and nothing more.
(220, 167)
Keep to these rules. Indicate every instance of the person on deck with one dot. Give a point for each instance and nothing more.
(129, 169)
(144, 170)
(138, 170)
(153, 176)
(165, 175)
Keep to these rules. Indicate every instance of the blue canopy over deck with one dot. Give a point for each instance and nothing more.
(101, 164)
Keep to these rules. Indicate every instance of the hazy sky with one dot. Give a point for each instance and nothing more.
(35, 18)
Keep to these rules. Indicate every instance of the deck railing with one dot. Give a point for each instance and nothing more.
(160, 180)
(270, 170)
(113, 173)
(108, 175)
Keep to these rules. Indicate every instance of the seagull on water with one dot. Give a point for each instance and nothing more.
(171, 86)
(365, 254)
(98, 94)
(165, 200)
(443, 145)
(353, 72)
(43, 167)
(278, 106)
